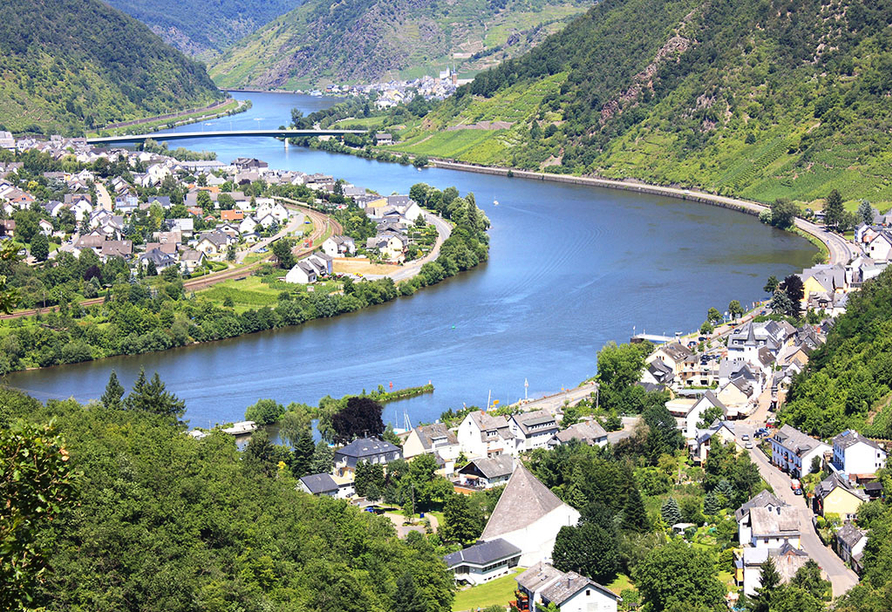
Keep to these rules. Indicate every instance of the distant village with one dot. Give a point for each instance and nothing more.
(217, 222)
(388, 94)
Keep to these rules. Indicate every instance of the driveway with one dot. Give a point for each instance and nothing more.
(841, 577)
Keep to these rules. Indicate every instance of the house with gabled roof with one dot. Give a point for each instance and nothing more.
(793, 451)
(483, 561)
(483, 435)
(486, 472)
(319, 484)
(533, 429)
(787, 561)
(529, 516)
(543, 585)
(850, 542)
(695, 414)
(836, 495)
(587, 432)
(763, 499)
(433, 439)
(857, 456)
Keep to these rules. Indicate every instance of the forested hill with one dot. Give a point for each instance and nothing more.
(204, 27)
(761, 98)
(371, 40)
(71, 64)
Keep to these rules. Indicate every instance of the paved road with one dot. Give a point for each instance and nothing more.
(444, 230)
(553, 403)
(103, 199)
(841, 577)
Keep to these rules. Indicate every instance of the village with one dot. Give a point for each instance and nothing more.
(219, 220)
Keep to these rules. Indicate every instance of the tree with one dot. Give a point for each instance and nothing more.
(833, 210)
(780, 303)
(264, 411)
(792, 598)
(203, 199)
(361, 417)
(462, 522)
(114, 391)
(296, 419)
(282, 251)
(676, 576)
(302, 456)
(711, 504)
(771, 285)
(709, 416)
(40, 247)
(735, 309)
(795, 290)
(323, 459)
(713, 316)
(152, 397)
(670, 512)
(260, 456)
(634, 513)
(588, 549)
(769, 580)
(783, 213)
(406, 598)
(809, 577)
(865, 213)
(9, 296)
(571, 416)
(36, 486)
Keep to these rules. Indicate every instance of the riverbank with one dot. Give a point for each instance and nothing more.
(224, 108)
(838, 250)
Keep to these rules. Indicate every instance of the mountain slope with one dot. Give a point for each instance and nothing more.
(204, 27)
(762, 98)
(67, 64)
(370, 40)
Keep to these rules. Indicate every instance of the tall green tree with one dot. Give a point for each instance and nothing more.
(323, 459)
(152, 396)
(769, 582)
(264, 411)
(771, 285)
(735, 309)
(670, 512)
(588, 549)
(834, 211)
(865, 213)
(406, 598)
(302, 455)
(678, 577)
(114, 392)
(40, 247)
(282, 250)
(634, 513)
(462, 521)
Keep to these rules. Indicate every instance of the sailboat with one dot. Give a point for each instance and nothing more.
(495, 202)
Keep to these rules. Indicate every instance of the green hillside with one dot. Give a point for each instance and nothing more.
(760, 98)
(203, 28)
(369, 40)
(71, 64)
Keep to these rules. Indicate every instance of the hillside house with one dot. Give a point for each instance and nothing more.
(764, 500)
(482, 435)
(850, 542)
(794, 452)
(857, 456)
(543, 584)
(339, 246)
(533, 429)
(587, 432)
(483, 561)
(371, 450)
(836, 495)
(486, 472)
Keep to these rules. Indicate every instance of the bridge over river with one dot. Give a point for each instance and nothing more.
(168, 136)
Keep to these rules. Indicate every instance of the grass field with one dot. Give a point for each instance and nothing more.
(362, 267)
(620, 583)
(497, 592)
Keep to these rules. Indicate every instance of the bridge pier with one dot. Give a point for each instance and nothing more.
(286, 143)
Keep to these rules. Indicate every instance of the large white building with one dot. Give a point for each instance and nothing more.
(794, 452)
(482, 435)
(533, 429)
(857, 456)
(529, 516)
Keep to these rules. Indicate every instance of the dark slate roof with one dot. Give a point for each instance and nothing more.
(761, 500)
(483, 553)
(367, 447)
(319, 483)
(435, 432)
(492, 467)
(849, 534)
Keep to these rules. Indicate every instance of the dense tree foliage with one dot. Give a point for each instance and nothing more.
(847, 377)
(589, 549)
(360, 418)
(70, 65)
(161, 521)
(679, 577)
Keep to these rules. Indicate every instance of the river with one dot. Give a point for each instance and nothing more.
(570, 269)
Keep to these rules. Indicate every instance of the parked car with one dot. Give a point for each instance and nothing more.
(745, 437)
(748, 445)
(797, 492)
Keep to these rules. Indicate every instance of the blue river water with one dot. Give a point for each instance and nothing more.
(570, 269)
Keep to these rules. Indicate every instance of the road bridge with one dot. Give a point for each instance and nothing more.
(168, 136)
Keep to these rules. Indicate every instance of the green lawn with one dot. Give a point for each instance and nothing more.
(620, 584)
(498, 592)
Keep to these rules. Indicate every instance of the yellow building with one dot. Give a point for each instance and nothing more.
(837, 496)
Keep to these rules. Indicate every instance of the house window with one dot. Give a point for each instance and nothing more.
(588, 593)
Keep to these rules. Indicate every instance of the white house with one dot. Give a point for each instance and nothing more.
(772, 527)
(339, 246)
(483, 561)
(482, 435)
(879, 247)
(309, 269)
(543, 584)
(319, 484)
(529, 516)
(587, 432)
(533, 429)
(856, 455)
(695, 414)
(793, 451)
(487, 472)
(787, 561)
(434, 439)
(763, 499)
(247, 225)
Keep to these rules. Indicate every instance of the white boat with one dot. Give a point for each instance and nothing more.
(495, 202)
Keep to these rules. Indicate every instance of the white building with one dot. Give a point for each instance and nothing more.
(482, 435)
(794, 452)
(695, 413)
(787, 561)
(339, 246)
(483, 561)
(763, 499)
(529, 516)
(857, 456)
(533, 429)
